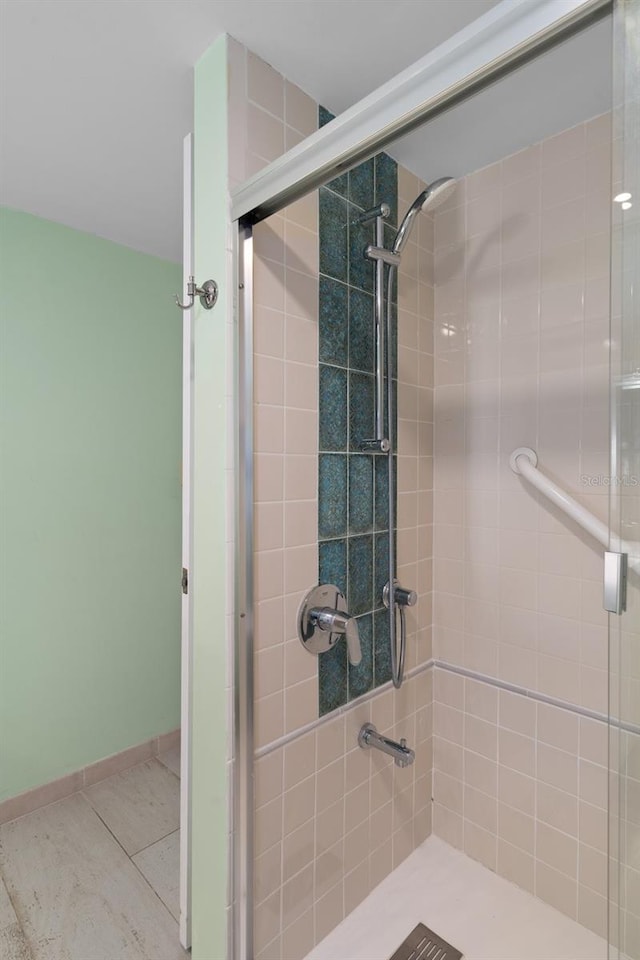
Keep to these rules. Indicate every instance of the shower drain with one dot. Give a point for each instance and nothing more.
(424, 944)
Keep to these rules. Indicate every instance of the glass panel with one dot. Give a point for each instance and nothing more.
(624, 832)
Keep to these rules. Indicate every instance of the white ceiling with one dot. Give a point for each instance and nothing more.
(96, 95)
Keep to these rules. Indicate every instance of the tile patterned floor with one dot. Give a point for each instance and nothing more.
(95, 876)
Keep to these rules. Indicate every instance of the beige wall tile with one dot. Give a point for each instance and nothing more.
(330, 784)
(269, 675)
(301, 704)
(298, 850)
(268, 526)
(517, 752)
(480, 845)
(557, 768)
(299, 760)
(516, 828)
(297, 897)
(265, 133)
(299, 805)
(269, 719)
(265, 86)
(448, 825)
(268, 873)
(268, 827)
(301, 112)
(556, 889)
(515, 865)
(267, 927)
(557, 727)
(557, 809)
(329, 911)
(517, 713)
(557, 850)
(301, 340)
(329, 868)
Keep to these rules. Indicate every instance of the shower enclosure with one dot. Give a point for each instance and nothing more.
(379, 428)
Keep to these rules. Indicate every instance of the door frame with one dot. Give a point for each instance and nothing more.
(186, 658)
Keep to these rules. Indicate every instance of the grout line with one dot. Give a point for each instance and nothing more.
(104, 823)
(153, 842)
(152, 888)
(19, 920)
(130, 856)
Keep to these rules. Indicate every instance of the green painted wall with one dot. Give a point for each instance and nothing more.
(90, 434)
(212, 329)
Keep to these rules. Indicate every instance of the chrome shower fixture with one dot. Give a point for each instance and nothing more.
(434, 195)
(403, 756)
(396, 598)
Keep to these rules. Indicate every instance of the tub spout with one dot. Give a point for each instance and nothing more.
(402, 755)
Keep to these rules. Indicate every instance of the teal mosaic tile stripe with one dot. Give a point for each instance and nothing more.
(353, 515)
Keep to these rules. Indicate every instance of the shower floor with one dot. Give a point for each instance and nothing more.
(479, 913)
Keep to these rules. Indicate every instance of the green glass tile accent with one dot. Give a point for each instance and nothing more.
(360, 574)
(387, 184)
(381, 649)
(340, 184)
(381, 471)
(362, 331)
(334, 235)
(360, 493)
(361, 185)
(333, 322)
(332, 408)
(332, 495)
(324, 116)
(361, 269)
(333, 684)
(353, 514)
(361, 409)
(381, 567)
(333, 563)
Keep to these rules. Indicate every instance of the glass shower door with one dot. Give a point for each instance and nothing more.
(624, 630)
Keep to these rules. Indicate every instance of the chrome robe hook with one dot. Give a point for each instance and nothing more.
(208, 294)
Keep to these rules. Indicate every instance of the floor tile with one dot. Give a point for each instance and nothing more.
(78, 895)
(160, 864)
(13, 943)
(171, 759)
(140, 805)
(479, 913)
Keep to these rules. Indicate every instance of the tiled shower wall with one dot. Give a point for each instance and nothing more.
(331, 819)
(521, 344)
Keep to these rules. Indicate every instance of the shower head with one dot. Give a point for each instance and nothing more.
(435, 194)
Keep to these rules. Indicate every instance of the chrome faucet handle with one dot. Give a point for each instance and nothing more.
(353, 642)
(340, 622)
(323, 618)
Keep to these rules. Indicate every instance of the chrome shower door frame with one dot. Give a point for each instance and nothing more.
(511, 34)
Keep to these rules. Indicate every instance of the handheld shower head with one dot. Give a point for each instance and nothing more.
(434, 195)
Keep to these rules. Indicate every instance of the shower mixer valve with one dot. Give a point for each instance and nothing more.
(323, 619)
